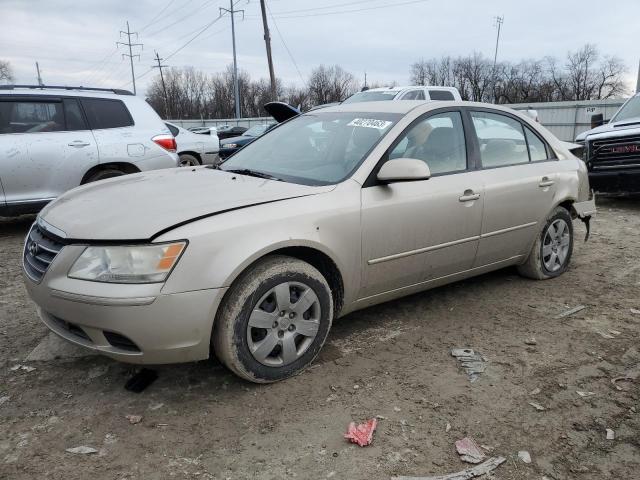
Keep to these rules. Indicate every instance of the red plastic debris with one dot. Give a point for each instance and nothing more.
(361, 434)
(469, 450)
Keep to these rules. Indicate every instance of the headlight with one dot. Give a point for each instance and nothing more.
(230, 145)
(127, 264)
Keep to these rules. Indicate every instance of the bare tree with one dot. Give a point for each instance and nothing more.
(6, 72)
(330, 84)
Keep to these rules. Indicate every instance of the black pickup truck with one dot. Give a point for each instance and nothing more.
(612, 151)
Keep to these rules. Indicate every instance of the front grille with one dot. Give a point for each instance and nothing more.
(72, 328)
(614, 153)
(39, 251)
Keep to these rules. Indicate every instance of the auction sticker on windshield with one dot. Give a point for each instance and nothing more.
(369, 123)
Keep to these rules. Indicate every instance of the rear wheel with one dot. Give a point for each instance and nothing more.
(551, 252)
(105, 173)
(274, 320)
(188, 160)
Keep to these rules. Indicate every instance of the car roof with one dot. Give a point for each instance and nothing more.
(63, 91)
(402, 107)
(408, 87)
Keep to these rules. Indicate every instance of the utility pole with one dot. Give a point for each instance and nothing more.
(39, 77)
(128, 43)
(236, 90)
(267, 41)
(498, 24)
(365, 79)
(164, 88)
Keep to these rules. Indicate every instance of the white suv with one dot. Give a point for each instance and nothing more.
(416, 92)
(53, 139)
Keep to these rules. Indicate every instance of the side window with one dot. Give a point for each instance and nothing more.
(174, 131)
(31, 117)
(537, 148)
(106, 113)
(440, 95)
(501, 139)
(438, 141)
(413, 95)
(73, 114)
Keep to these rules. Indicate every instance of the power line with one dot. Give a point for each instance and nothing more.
(340, 12)
(202, 30)
(128, 43)
(183, 18)
(156, 18)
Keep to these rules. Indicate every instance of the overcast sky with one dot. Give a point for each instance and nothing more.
(74, 41)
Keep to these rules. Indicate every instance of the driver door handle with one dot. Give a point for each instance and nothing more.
(545, 182)
(469, 196)
(78, 144)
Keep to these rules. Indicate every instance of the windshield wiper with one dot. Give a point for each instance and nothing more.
(253, 173)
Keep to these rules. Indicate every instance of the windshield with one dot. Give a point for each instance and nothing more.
(316, 148)
(370, 96)
(256, 131)
(629, 110)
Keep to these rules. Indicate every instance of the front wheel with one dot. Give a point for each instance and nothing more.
(551, 252)
(274, 320)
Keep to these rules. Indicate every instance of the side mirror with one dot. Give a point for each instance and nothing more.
(597, 120)
(403, 170)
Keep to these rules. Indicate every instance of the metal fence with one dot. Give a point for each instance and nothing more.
(568, 119)
(565, 119)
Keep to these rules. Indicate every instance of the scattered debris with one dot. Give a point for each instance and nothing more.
(473, 472)
(26, 368)
(397, 409)
(635, 311)
(524, 456)
(604, 334)
(472, 362)
(614, 381)
(381, 417)
(537, 406)
(4, 399)
(615, 332)
(356, 387)
(531, 341)
(571, 311)
(585, 394)
(361, 434)
(535, 391)
(156, 406)
(611, 435)
(82, 450)
(469, 450)
(141, 380)
(133, 419)
(448, 427)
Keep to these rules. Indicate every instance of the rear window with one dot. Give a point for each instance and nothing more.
(106, 113)
(174, 131)
(31, 117)
(440, 95)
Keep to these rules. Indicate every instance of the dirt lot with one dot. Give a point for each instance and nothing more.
(393, 360)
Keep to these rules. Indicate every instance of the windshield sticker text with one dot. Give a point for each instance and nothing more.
(369, 123)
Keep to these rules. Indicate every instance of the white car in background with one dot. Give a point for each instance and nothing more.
(193, 148)
(416, 92)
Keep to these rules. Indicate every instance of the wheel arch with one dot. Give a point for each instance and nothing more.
(314, 254)
(122, 166)
(193, 154)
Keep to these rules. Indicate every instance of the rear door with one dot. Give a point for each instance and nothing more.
(49, 148)
(519, 171)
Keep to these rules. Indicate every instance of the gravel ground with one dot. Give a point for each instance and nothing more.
(393, 360)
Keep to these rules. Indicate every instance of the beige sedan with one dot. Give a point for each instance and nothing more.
(332, 211)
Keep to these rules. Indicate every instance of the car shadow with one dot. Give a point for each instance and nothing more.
(16, 225)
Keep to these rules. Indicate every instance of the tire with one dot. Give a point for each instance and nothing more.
(188, 160)
(551, 252)
(103, 174)
(266, 347)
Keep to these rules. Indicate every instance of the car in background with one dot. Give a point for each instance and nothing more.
(331, 212)
(53, 139)
(416, 92)
(231, 145)
(203, 130)
(194, 149)
(612, 150)
(228, 131)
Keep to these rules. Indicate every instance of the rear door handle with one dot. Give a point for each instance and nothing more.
(469, 196)
(78, 144)
(545, 182)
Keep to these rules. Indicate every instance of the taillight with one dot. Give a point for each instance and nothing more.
(168, 142)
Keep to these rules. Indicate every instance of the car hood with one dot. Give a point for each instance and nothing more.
(613, 128)
(142, 205)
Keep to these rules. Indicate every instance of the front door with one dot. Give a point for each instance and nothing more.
(413, 232)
